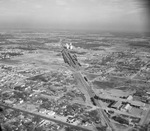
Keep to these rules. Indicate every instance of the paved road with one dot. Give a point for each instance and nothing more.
(86, 85)
(103, 108)
(56, 118)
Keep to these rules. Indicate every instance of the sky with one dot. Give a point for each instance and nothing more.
(117, 15)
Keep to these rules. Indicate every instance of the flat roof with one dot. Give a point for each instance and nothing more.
(136, 111)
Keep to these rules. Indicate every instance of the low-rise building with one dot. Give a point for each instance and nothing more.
(130, 97)
(117, 105)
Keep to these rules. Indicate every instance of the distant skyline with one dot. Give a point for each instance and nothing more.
(109, 15)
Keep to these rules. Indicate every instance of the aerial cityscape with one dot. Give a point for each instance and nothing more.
(74, 65)
(68, 81)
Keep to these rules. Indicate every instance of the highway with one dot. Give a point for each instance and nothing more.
(83, 87)
(91, 94)
(70, 60)
(86, 89)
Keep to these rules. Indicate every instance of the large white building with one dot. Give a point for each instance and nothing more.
(69, 46)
